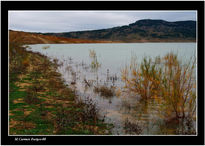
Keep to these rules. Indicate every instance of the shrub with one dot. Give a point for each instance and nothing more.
(178, 86)
(167, 80)
(143, 80)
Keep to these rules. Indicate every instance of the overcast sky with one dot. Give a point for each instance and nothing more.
(66, 21)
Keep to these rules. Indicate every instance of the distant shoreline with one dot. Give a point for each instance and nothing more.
(106, 42)
(33, 38)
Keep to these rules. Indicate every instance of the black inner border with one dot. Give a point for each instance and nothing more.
(102, 5)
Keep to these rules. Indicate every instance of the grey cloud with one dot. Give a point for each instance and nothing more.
(65, 21)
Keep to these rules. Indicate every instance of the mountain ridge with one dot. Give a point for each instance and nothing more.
(141, 30)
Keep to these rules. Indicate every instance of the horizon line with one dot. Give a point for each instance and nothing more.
(99, 29)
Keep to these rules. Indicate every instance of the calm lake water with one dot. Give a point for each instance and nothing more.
(76, 67)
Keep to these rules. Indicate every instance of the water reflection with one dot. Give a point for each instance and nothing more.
(127, 112)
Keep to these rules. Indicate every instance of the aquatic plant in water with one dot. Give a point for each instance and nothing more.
(94, 62)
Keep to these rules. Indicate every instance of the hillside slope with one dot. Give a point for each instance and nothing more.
(34, 38)
(140, 31)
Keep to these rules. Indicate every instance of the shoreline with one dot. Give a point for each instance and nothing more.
(38, 96)
(33, 38)
(107, 43)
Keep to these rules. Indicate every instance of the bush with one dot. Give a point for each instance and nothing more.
(177, 86)
(143, 80)
(167, 80)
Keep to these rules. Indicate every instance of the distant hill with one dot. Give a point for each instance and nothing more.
(145, 30)
(35, 38)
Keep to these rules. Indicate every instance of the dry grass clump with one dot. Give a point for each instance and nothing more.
(104, 91)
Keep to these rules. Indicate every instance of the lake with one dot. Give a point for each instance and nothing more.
(76, 69)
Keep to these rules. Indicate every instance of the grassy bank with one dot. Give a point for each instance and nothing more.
(41, 104)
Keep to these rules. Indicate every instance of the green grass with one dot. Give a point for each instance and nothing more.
(15, 94)
(37, 111)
